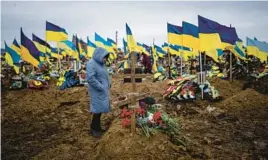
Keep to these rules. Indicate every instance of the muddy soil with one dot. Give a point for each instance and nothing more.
(52, 124)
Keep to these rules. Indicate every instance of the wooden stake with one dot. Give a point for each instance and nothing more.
(169, 64)
(133, 116)
(181, 61)
(59, 64)
(201, 75)
(231, 72)
(205, 58)
(133, 66)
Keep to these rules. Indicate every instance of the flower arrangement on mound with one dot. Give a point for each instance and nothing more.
(152, 119)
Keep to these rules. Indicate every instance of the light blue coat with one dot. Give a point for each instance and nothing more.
(98, 82)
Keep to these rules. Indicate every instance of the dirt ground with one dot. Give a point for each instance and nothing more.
(54, 125)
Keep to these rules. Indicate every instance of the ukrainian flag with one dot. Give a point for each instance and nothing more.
(147, 48)
(125, 47)
(126, 53)
(239, 50)
(12, 58)
(16, 47)
(132, 45)
(99, 41)
(90, 48)
(228, 36)
(230, 40)
(42, 46)
(113, 47)
(140, 47)
(159, 51)
(79, 47)
(69, 47)
(252, 49)
(176, 49)
(165, 47)
(155, 58)
(113, 43)
(55, 53)
(209, 37)
(257, 49)
(109, 47)
(55, 33)
(82, 47)
(263, 50)
(190, 36)
(174, 34)
(29, 52)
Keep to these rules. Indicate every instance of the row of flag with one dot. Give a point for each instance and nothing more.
(212, 38)
(186, 40)
(36, 50)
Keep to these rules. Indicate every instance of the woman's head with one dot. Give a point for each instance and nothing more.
(100, 54)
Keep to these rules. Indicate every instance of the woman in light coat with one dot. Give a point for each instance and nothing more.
(98, 88)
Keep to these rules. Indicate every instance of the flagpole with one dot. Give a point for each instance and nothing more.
(169, 72)
(59, 64)
(231, 76)
(201, 75)
(181, 55)
(205, 58)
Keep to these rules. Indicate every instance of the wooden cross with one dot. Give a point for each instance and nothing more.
(133, 97)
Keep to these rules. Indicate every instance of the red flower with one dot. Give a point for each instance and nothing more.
(126, 123)
(125, 113)
(157, 116)
(140, 111)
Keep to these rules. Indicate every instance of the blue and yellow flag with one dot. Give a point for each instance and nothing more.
(55, 53)
(125, 47)
(239, 50)
(252, 48)
(109, 47)
(159, 51)
(147, 48)
(90, 48)
(42, 46)
(55, 33)
(263, 50)
(99, 41)
(132, 45)
(165, 47)
(82, 47)
(111, 50)
(174, 34)
(113, 43)
(70, 49)
(177, 50)
(209, 37)
(79, 47)
(257, 48)
(12, 58)
(190, 37)
(29, 52)
(140, 47)
(228, 36)
(16, 47)
(230, 40)
(155, 58)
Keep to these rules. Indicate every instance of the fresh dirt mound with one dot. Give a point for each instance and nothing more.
(226, 89)
(118, 143)
(248, 102)
(38, 125)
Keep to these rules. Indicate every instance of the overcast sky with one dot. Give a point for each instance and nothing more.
(147, 20)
